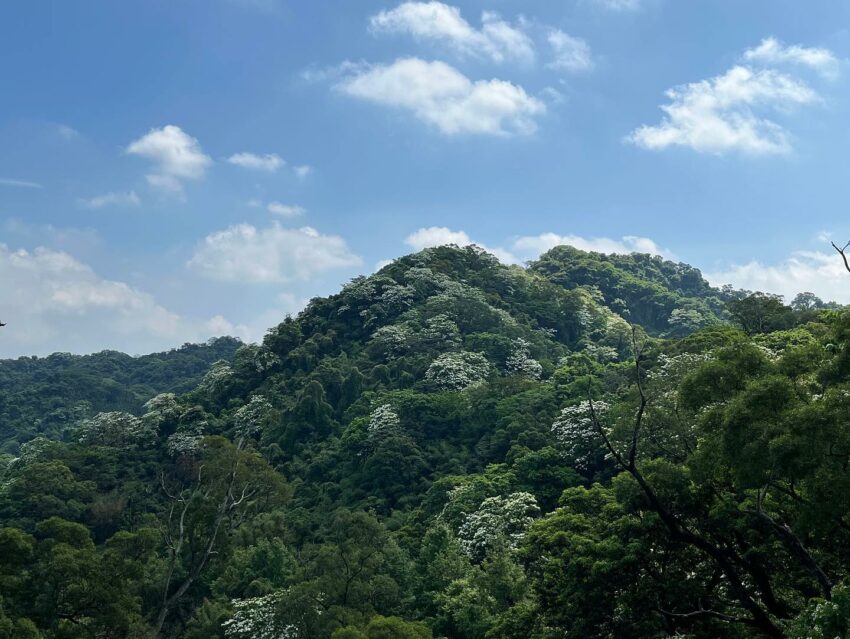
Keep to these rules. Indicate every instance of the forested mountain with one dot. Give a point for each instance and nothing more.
(456, 448)
(44, 395)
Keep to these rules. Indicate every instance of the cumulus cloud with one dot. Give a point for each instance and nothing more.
(22, 184)
(720, 114)
(569, 53)
(772, 51)
(529, 247)
(534, 245)
(269, 162)
(431, 236)
(436, 236)
(285, 210)
(442, 96)
(244, 253)
(51, 301)
(176, 157)
(820, 273)
(497, 39)
(111, 199)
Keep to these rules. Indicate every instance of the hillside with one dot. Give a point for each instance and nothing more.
(457, 448)
(45, 395)
(663, 297)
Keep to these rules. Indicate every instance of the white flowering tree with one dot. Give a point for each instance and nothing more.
(116, 429)
(520, 363)
(160, 409)
(382, 420)
(458, 370)
(216, 378)
(250, 419)
(497, 521)
(391, 341)
(576, 432)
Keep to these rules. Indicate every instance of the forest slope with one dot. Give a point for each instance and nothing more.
(457, 448)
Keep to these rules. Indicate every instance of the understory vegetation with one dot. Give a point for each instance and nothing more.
(593, 446)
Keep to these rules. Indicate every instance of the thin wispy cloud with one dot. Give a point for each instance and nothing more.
(441, 96)
(110, 199)
(285, 210)
(496, 39)
(302, 171)
(772, 51)
(21, 184)
(617, 5)
(569, 53)
(269, 162)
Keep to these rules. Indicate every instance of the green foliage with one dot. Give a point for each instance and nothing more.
(47, 396)
(444, 449)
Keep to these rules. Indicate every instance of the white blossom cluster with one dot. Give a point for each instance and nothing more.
(249, 419)
(498, 520)
(585, 318)
(162, 408)
(183, 443)
(671, 369)
(383, 420)
(259, 618)
(602, 354)
(441, 329)
(259, 358)
(33, 450)
(458, 370)
(397, 298)
(217, 376)
(393, 340)
(116, 429)
(576, 433)
(520, 362)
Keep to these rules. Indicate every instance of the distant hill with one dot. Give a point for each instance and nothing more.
(664, 297)
(44, 395)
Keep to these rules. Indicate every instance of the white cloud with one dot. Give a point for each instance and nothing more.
(570, 53)
(244, 253)
(442, 96)
(442, 23)
(772, 51)
(302, 171)
(618, 5)
(285, 210)
(51, 301)
(531, 246)
(269, 162)
(67, 132)
(436, 236)
(111, 199)
(717, 115)
(176, 157)
(23, 184)
(440, 236)
(820, 273)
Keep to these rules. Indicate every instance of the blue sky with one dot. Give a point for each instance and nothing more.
(175, 169)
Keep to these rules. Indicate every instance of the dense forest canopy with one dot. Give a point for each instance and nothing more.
(45, 395)
(594, 446)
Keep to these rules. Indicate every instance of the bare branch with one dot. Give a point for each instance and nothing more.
(843, 253)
